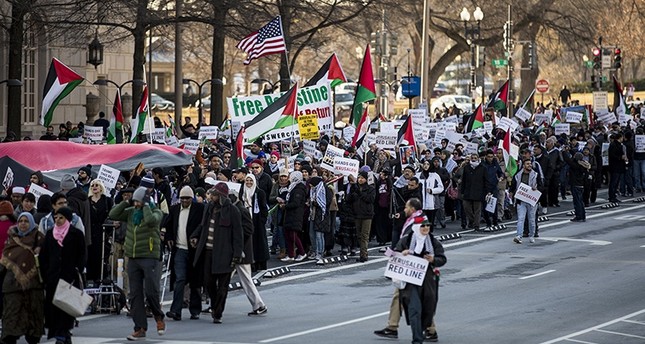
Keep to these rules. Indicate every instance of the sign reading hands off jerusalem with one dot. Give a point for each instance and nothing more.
(311, 100)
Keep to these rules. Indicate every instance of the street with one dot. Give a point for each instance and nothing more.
(579, 283)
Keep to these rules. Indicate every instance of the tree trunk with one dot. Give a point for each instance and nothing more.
(16, 34)
(217, 64)
(139, 36)
(285, 75)
(444, 61)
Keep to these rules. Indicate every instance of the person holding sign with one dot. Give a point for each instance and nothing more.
(524, 209)
(420, 302)
(578, 173)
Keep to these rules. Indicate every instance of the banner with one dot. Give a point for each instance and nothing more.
(313, 100)
(419, 116)
(208, 132)
(346, 166)
(524, 193)
(574, 117)
(108, 176)
(562, 128)
(640, 143)
(386, 140)
(328, 160)
(38, 191)
(308, 127)
(408, 268)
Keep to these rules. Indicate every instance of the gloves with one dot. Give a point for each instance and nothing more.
(236, 261)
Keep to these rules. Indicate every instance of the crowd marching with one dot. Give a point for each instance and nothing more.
(284, 202)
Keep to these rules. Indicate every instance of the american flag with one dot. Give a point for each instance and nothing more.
(268, 40)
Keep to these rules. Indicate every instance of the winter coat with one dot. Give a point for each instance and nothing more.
(473, 183)
(142, 240)
(616, 162)
(577, 173)
(362, 198)
(294, 209)
(80, 204)
(247, 230)
(171, 225)
(322, 221)
(493, 172)
(430, 185)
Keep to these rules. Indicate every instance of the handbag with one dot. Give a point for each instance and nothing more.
(70, 299)
(452, 192)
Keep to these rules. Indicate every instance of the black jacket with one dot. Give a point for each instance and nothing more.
(362, 197)
(294, 209)
(473, 183)
(577, 173)
(616, 162)
(80, 204)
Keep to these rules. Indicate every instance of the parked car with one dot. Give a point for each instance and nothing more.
(159, 103)
(439, 90)
(206, 103)
(462, 102)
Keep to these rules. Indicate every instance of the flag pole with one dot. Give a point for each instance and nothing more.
(286, 55)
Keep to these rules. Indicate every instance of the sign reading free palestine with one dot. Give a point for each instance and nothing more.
(311, 100)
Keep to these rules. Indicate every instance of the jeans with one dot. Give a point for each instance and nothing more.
(563, 180)
(439, 205)
(627, 182)
(639, 174)
(578, 205)
(181, 266)
(524, 211)
(143, 274)
(614, 179)
(278, 238)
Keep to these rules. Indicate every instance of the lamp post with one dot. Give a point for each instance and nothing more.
(472, 33)
(273, 85)
(95, 51)
(200, 86)
(11, 82)
(105, 82)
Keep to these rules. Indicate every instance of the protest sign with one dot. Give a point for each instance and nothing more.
(604, 152)
(7, 182)
(523, 114)
(574, 117)
(76, 139)
(328, 160)
(524, 193)
(191, 145)
(562, 128)
(419, 116)
(386, 140)
(290, 160)
(159, 135)
(488, 126)
(542, 118)
(471, 148)
(408, 268)
(309, 147)
(640, 143)
(313, 100)
(108, 176)
(387, 127)
(506, 123)
(308, 127)
(623, 118)
(93, 133)
(346, 166)
(172, 141)
(491, 204)
(348, 133)
(607, 117)
(38, 191)
(208, 132)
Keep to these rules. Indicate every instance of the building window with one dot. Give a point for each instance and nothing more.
(29, 70)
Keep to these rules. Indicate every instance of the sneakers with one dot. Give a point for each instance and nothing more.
(430, 337)
(286, 259)
(320, 262)
(300, 258)
(173, 316)
(161, 325)
(139, 334)
(259, 311)
(517, 240)
(387, 333)
(382, 249)
(217, 320)
(532, 240)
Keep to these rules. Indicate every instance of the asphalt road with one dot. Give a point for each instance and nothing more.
(579, 283)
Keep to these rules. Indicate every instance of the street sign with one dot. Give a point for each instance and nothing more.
(499, 63)
(542, 86)
(410, 86)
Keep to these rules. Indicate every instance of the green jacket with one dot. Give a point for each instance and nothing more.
(142, 240)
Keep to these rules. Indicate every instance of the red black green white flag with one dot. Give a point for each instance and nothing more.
(499, 99)
(405, 136)
(60, 82)
(138, 123)
(476, 120)
(116, 121)
(331, 72)
(238, 153)
(619, 101)
(280, 114)
(365, 90)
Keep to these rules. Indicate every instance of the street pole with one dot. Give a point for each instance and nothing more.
(511, 93)
(409, 80)
(472, 75)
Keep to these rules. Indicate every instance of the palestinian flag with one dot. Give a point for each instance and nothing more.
(60, 82)
(557, 119)
(280, 114)
(330, 72)
(619, 101)
(238, 153)
(365, 91)
(476, 120)
(499, 99)
(138, 123)
(511, 163)
(171, 130)
(116, 121)
(362, 130)
(406, 133)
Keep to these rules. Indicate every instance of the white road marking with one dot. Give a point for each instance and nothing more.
(579, 341)
(313, 330)
(537, 274)
(621, 334)
(634, 322)
(591, 242)
(611, 322)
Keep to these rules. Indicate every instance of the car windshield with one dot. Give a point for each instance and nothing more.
(462, 100)
(344, 97)
(156, 99)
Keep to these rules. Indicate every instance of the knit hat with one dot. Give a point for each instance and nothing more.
(147, 181)
(139, 194)
(17, 190)
(366, 168)
(67, 182)
(257, 161)
(210, 181)
(87, 169)
(276, 154)
(6, 208)
(262, 154)
(363, 174)
(186, 191)
(221, 189)
(200, 192)
(409, 167)
(227, 173)
(65, 211)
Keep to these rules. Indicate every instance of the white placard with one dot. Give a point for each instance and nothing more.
(328, 160)
(471, 148)
(604, 152)
(408, 268)
(491, 204)
(93, 133)
(574, 117)
(108, 176)
(172, 141)
(8, 178)
(419, 116)
(480, 132)
(607, 117)
(159, 135)
(346, 167)
(623, 118)
(600, 100)
(421, 133)
(231, 186)
(348, 133)
(640, 143)
(387, 127)
(542, 118)
(309, 147)
(488, 126)
(191, 145)
(523, 114)
(76, 139)
(38, 191)
(562, 128)
(524, 193)
(291, 161)
(386, 140)
(208, 132)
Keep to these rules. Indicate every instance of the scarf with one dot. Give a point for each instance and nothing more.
(419, 241)
(60, 232)
(247, 195)
(19, 257)
(32, 224)
(410, 220)
(318, 193)
(295, 178)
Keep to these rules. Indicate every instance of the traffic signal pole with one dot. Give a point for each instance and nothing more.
(511, 92)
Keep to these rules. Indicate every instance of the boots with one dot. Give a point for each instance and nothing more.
(283, 253)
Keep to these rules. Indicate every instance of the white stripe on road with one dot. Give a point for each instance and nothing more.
(538, 274)
(579, 341)
(621, 334)
(611, 322)
(634, 322)
(313, 330)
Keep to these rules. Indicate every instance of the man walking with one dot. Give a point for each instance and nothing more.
(525, 210)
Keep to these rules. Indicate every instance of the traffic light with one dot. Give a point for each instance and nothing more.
(507, 42)
(375, 43)
(594, 82)
(393, 43)
(596, 57)
(531, 54)
(617, 58)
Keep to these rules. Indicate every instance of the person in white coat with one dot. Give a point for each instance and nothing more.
(431, 185)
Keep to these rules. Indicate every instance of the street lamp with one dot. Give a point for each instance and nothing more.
(104, 82)
(472, 33)
(260, 81)
(200, 86)
(11, 82)
(95, 51)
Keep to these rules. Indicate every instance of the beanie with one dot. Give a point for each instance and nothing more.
(139, 194)
(87, 169)
(363, 174)
(67, 182)
(227, 173)
(65, 211)
(200, 192)
(6, 208)
(186, 191)
(221, 189)
(147, 181)
(276, 154)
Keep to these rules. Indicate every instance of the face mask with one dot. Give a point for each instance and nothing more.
(474, 164)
